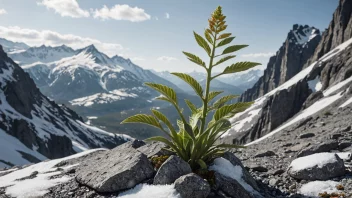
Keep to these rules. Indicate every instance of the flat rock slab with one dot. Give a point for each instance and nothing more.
(319, 148)
(173, 168)
(320, 166)
(116, 170)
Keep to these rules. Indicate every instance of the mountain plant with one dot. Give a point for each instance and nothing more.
(195, 141)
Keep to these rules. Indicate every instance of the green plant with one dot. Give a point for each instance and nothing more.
(195, 141)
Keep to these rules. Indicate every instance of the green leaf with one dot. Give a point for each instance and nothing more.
(142, 118)
(191, 81)
(233, 48)
(165, 90)
(164, 119)
(208, 37)
(201, 42)
(189, 130)
(230, 146)
(226, 58)
(239, 67)
(202, 164)
(191, 106)
(213, 94)
(194, 59)
(223, 100)
(222, 36)
(225, 110)
(225, 41)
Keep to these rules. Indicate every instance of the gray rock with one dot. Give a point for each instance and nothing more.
(154, 148)
(325, 171)
(265, 154)
(306, 135)
(116, 170)
(312, 99)
(192, 186)
(273, 182)
(246, 176)
(173, 168)
(322, 147)
(344, 145)
(230, 187)
(256, 167)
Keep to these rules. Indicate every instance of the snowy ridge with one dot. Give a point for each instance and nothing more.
(244, 121)
(304, 34)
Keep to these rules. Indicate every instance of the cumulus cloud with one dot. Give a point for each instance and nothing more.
(2, 11)
(257, 55)
(48, 37)
(166, 58)
(122, 12)
(167, 15)
(66, 8)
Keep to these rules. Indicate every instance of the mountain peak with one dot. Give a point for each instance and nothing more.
(302, 34)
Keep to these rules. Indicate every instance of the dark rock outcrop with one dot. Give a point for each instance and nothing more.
(192, 185)
(287, 62)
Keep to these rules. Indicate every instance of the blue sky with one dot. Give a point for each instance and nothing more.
(153, 33)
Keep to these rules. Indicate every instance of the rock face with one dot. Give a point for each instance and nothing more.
(321, 166)
(43, 128)
(171, 169)
(230, 187)
(192, 185)
(119, 169)
(287, 62)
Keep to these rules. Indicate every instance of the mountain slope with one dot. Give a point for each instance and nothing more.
(10, 46)
(33, 128)
(289, 60)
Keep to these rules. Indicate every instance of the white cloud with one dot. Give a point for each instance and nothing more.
(167, 15)
(69, 8)
(257, 55)
(48, 37)
(2, 11)
(122, 12)
(166, 58)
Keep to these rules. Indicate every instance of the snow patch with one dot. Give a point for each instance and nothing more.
(315, 85)
(154, 191)
(226, 168)
(316, 187)
(310, 161)
(349, 101)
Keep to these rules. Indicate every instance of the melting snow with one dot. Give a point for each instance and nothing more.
(40, 184)
(315, 85)
(349, 101)
(316, 187)
(337, 86)
(153, 191)
(318, 159)
(226, 168)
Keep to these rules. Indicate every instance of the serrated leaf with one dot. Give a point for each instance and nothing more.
(227, 109)
(189, 130)
(191, 106)
(233, 48)
(239, 67)
(213, 94)
(222, 28)
(208, 37)
(223, 100)
(201, 42)
(168, 92)
(226, 58)
(194, 59)
(191, 81)
(222, 36)
(225, 41)
(164, 119)
(143, 118)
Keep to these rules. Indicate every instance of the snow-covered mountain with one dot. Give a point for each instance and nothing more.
(10, 46)
(242, 80)
(87, 77)
(34, 128)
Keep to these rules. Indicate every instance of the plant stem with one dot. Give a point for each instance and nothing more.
(205, 101)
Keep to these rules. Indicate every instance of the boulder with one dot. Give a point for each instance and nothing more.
(320, 166)
(192, 186)
(154, 148)
(116, 170)
(245, 174)
(319, 148)
(230, 187)
(173, 168)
